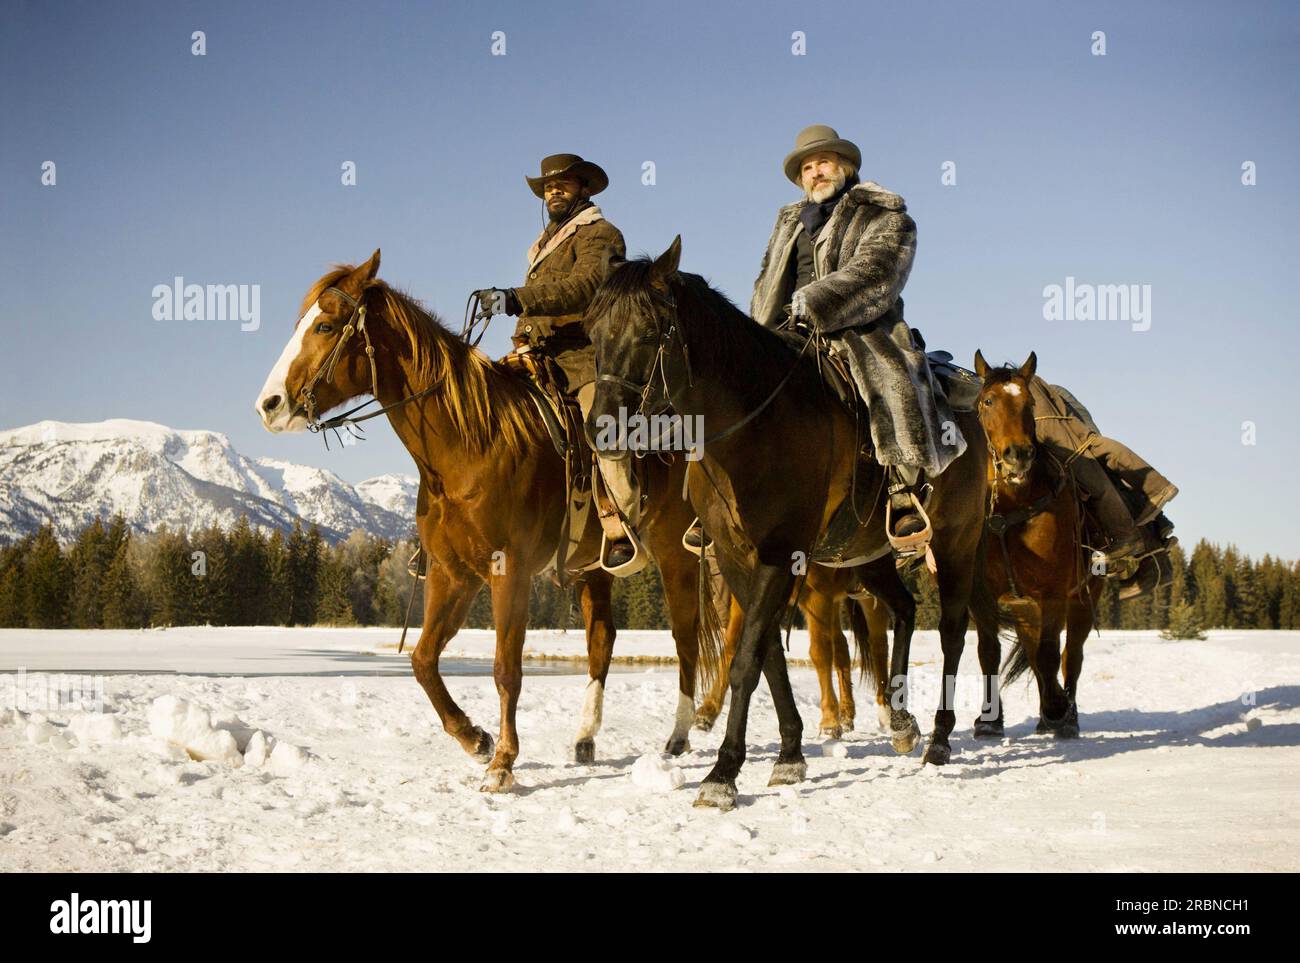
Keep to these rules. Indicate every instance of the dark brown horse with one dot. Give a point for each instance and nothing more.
(493, 494)
(821, 601)
(1037, 566)
(778, 464)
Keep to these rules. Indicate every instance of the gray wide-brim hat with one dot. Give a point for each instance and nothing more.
(569, 165)
(813, 139)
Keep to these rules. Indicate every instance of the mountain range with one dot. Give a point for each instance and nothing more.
(69, 474)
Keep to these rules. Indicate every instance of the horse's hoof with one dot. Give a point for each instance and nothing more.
(846, 722)
(832, 732)
(717, 795)
(584, 752)
(788, 773)
(938, 753)
(704, 722)
(989, 729)
(497, 780)
(483, 749)
(905, 733)
(882, 717)
(1042, 728)
(1068, 728)
(676, 747)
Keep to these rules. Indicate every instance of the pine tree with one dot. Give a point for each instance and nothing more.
(333, 606)
(171, 584)
(279, 580)
(13, 601)
(304, 574)
(88, 560)
(122, 608)
(46, 582)
(249, 576)
(1183, 623)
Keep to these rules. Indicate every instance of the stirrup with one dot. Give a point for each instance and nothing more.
(638, 561)
(414, 568)
(705, 541)
(908, 546)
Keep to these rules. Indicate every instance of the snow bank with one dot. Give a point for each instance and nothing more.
(184, 724)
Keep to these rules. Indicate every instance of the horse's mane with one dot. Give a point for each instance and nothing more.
(1002, 373)
(718, 334)
(486, 406)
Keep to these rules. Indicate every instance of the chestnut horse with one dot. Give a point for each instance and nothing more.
(1037, 565)
(820, 601)
(493, 495)
(777, 468)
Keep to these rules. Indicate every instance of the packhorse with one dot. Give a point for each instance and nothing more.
(665, 340)
(494, 496)
(1038, 566)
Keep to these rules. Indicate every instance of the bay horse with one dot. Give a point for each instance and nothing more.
(1037, 566)
(778, 467)
(493, 495)
(821, 601)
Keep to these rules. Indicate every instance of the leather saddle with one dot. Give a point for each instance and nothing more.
(559, 411)
(562, 416)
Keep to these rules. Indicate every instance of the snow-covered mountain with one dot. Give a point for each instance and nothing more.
(394, 493)
(69, 474)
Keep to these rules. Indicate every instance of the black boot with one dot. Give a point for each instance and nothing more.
(907, 525)
(694, 538)
(619, 553)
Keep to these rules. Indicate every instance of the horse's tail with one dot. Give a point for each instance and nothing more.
(712, 594)
(992, 619)
(861, 630)
(1015, 665)
(1017, 661)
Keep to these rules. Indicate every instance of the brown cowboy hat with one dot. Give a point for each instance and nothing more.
(815, 138)
(569, 165)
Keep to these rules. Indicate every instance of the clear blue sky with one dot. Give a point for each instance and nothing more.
(225, 169)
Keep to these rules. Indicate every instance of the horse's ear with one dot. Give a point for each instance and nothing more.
(371, 267)
(1029, 367)
(665, 265)
(981, 366)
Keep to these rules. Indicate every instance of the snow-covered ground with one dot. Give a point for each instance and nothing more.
(1188, 761)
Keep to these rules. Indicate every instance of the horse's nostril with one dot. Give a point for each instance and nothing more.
(271, 403)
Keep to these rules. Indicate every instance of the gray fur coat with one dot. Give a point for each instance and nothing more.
(863, 256)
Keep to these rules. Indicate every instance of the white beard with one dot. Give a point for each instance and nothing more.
(825, 191)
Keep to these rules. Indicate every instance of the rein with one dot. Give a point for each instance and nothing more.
(660, 367)
(326, 371)
(998, 524)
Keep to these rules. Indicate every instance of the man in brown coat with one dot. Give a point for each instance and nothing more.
(566, 264)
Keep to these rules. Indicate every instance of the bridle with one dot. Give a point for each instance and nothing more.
(1000, 524)
(307, 393)
(665, 336)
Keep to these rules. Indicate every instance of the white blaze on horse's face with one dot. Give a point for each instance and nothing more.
(1012, 389)
(273, 405)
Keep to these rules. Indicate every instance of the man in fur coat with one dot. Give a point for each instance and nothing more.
(836, 263)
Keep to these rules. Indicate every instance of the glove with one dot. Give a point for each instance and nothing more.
(497, 301)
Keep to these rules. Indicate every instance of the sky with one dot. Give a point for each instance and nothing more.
(1117, 169)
